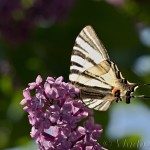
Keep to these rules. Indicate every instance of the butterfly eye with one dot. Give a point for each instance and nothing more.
(117, 93)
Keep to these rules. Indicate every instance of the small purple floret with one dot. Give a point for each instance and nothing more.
(55, 114)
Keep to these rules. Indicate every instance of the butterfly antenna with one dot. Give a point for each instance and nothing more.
(139, 96)
(143, 84)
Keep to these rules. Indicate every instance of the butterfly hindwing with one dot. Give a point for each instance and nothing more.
(97, 104)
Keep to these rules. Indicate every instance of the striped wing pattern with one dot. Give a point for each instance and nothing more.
(99, 80)
(92, 71)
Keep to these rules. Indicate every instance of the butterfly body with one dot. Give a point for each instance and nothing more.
(99, 80)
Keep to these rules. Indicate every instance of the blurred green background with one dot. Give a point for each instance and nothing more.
(37, 36)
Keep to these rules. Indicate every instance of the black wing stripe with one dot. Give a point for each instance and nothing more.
(74, 71)
(73, 63)
(97, 104)
(98, 107)
(89, 75)
(77, 45)
(118, 74)
(92, 92)
(80, 54)
(88, 40)
(91, 88)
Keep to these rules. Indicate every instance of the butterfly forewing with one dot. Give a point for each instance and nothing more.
(87, 52)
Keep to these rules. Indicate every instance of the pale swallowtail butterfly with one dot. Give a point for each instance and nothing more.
(98, 78)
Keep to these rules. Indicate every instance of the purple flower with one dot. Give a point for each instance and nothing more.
(55, 114)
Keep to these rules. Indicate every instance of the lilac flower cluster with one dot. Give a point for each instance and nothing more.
(17, 18)
(56, 114)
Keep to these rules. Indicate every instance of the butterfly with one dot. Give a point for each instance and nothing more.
(98, 78)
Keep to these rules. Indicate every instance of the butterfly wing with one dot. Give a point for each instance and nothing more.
(91, 70)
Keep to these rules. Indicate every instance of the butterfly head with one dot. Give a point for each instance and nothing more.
(126, 94)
